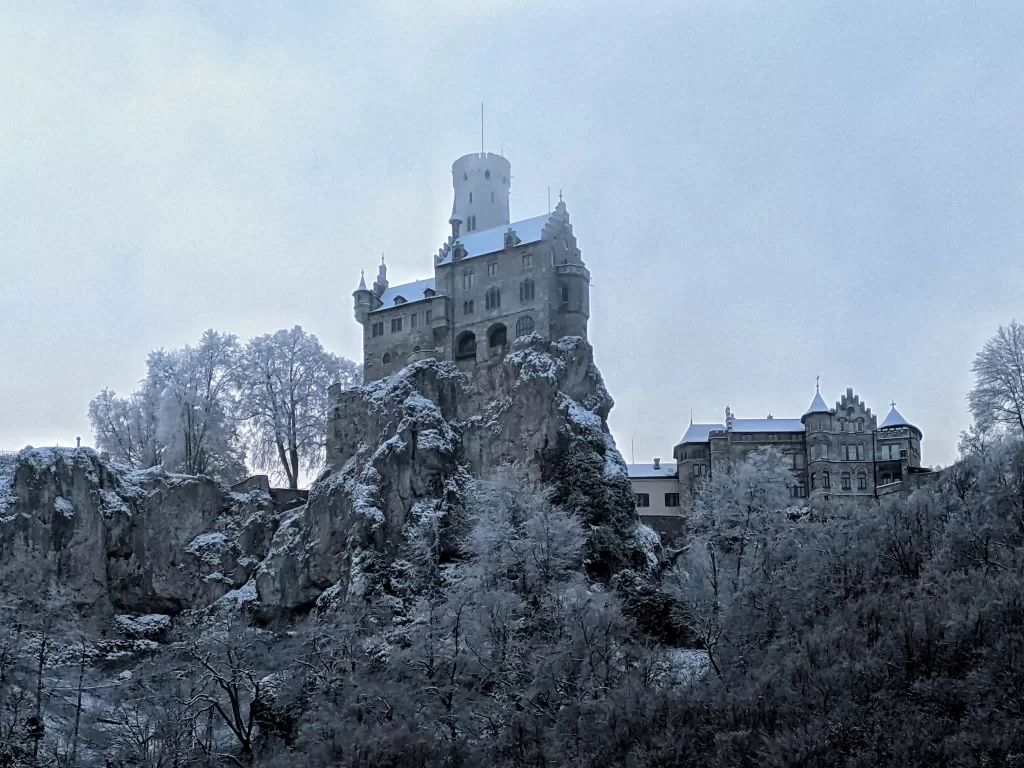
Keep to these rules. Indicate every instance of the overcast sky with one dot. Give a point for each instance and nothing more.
(763, 191)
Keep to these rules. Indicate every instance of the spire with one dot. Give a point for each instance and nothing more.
(817, 404)
(362, 281)
(381, 283)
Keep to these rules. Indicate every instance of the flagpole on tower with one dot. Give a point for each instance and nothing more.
(481, 127)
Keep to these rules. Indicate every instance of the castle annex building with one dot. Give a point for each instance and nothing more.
(493, 281)
(832, 452)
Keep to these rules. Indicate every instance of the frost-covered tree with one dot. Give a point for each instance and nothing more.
(283, 380)
(126, 427)
(997, 400)
(196, 415)
(738, 513)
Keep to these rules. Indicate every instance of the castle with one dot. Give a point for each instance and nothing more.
(840, 452)
(494, 281)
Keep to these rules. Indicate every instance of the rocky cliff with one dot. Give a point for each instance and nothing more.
(403, 450)
(131, 541)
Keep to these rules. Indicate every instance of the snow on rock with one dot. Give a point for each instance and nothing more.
(148, 626)
(137, 542)
(244, 595)
(649, 544)
(409, 445)
(64, 508)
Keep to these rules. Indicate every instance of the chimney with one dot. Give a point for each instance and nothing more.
(657, 463)
(78, 442)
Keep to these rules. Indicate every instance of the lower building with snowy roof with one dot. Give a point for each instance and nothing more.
(840, 452)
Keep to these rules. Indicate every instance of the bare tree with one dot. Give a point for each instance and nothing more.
(997, 399)
(197, 406)
(283, 381)
(126, 427)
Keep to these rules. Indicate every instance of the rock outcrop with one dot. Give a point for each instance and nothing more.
(131, 541)
(401, 451)
(404, 449)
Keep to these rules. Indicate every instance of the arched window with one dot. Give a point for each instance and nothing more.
(493, 298)
(524, 326)
(862, 480)
(487, 174)
(497, 336)
(527, 290)
(467, 279)
(846, 481)
(386, 360)
(826, 480)
(466, 346)
(814, 480)
(465, 176)
(470, 197)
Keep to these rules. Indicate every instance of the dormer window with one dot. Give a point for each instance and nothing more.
(399, 300)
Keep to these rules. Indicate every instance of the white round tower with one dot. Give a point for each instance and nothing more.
(481, 182)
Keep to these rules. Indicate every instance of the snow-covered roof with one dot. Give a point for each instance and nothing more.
(817, 405)
(895, 419)
(408, 291)
(767, 425)
(647, 471)
(700, 433)
(493, 240)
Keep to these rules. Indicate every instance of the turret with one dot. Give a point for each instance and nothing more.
(817, 409)
(481, 182)
(363, 299)
(381, 283)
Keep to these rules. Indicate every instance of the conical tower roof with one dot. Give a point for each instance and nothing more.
(895, 419)
(362, 282)
(818, 403)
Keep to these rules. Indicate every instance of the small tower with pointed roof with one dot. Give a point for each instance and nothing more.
(363, 299)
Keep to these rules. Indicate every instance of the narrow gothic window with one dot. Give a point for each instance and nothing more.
(492, 197)
(412, 320)
(467, 307)
(526, 259)
(846, 481)
(467, 279)
(826, 480)
(471, 197)
(814, 480)
(487, 174)
(492, 269)
(493, 298)
(862, 481)
(526, 290)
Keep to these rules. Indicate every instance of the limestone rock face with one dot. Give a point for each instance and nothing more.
(137, 541)
(404, 449)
